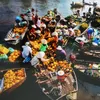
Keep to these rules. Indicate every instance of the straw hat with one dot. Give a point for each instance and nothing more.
(60, 73)
(38, 31)
(27, 43)
(40, 54)
(59, 48)
(70, 29)
(54, 34)
(44, 41)
(33, 26)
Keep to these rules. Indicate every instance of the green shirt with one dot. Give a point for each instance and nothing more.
(43, 47)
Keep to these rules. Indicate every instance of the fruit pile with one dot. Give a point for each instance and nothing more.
(53, 65)
(84, 25)
(3, 50)
(14, 56)
(35, 44)
(34, 51)
(12, 77)
(19, 30)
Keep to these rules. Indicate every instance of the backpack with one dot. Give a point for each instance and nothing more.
(34, 61)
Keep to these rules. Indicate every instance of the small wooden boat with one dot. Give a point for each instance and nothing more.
(97, 10)
(15, 35)
(90, 4)
(90, 75)
(77, 5)
(93, 53)
(10, 79)
(56, 86)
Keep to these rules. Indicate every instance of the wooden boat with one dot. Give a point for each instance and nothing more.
(94, 53)
(90, 4)
(97, 10)
(10, 79)
(56, 86)
(87, 74)
(15, 35)
(77, 5)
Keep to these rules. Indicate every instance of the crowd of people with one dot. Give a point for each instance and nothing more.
(42, 29)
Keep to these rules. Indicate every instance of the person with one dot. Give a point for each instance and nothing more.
(27, 52)
(89, 32)
(32, 10)
(55, 11)
(32, 34)
(72, 57)
(38, 22)
(36, 19)
(53, 40)
(71, 32)
(18, 19)
(84, 15)
(81, 43)
(38, 59)
(44, 45)
(43, 27)
(78, 13)
(23, 22)
(88, 15)
(47, 33)
(60, 53)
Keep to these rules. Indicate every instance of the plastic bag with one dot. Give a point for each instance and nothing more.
(3, 56)
(11, 49)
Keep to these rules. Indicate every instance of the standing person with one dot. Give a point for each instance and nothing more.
(27, 52)
(78, 13)
(32, 10)
(36, 19)
(89, 33)
(38, 23)
(88, 16)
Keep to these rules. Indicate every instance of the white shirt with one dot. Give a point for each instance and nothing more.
(39, 23)
(26, 51)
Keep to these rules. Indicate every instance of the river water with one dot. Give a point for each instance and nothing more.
(10, 8)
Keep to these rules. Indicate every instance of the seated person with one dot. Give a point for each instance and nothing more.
(44, 45)
(60, 54)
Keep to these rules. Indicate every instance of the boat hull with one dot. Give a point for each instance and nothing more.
(17, 84)
(10, 39)
(69, 95)
(87, 78)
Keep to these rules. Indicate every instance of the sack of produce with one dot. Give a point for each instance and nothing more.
(3, 56)
(3, 49)
(13, 56)
(11, 49)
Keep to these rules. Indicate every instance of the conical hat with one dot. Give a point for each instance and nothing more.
(60, 73)
(27, 43)
(59, 48)
(54, 34)
(44, 41)
(40, 54)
